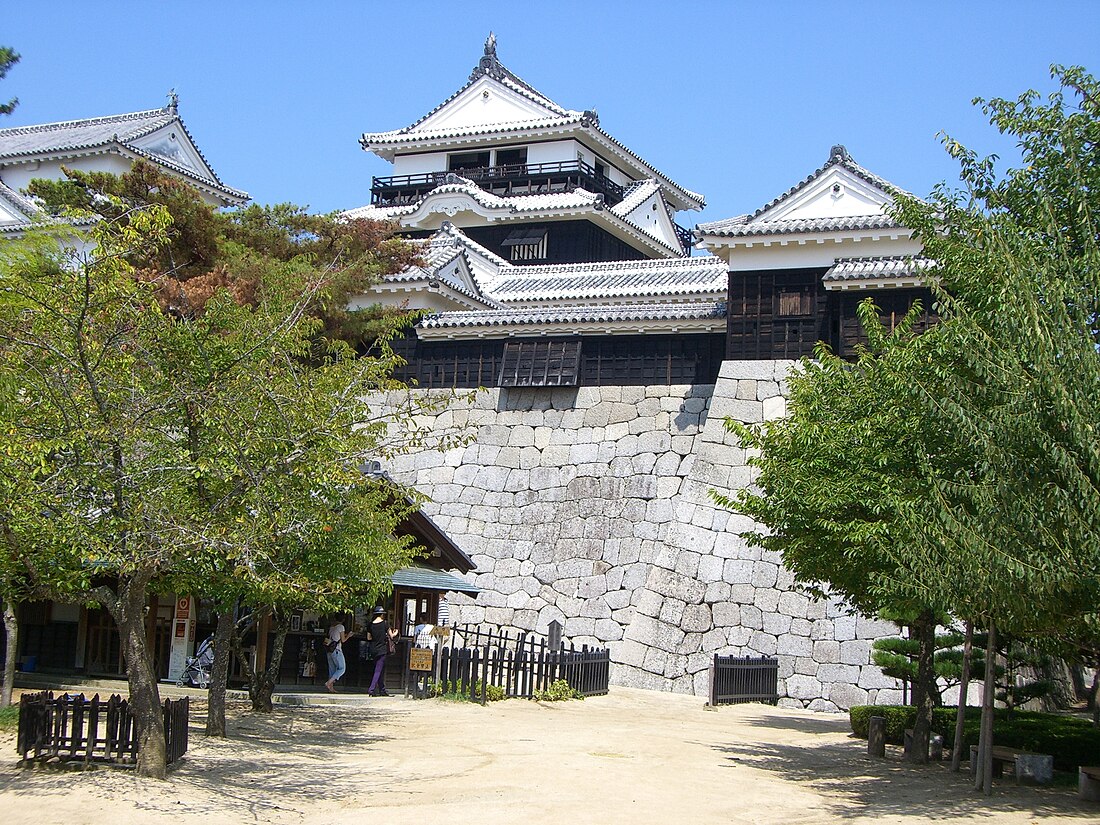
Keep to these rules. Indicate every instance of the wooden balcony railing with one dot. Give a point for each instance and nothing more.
(507, 181)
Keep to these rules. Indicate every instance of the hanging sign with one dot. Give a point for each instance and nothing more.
(183, 607)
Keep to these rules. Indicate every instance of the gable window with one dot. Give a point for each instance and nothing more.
(541, 363)
(526, 244)
(467, 160)
(795, 302)
(512, 157)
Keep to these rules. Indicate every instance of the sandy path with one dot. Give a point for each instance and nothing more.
(632, 757)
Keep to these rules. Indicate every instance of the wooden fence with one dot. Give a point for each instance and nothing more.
(743, 679)
(72, 727)
(520, 664)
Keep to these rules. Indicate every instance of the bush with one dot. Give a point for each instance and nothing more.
(450, 690)
(9, 717)
(559, 691)
(1070, 740)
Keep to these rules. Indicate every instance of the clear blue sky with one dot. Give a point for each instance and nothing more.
(736, 100)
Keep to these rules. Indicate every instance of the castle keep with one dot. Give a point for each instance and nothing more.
(558, 278)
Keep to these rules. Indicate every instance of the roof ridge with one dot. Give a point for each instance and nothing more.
(86, 121)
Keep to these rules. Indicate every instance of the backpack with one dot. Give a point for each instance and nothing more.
(330, 645)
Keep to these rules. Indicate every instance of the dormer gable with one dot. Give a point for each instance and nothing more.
(171, 144)
(645, 207)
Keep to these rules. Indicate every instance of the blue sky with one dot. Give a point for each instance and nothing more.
(736, 100)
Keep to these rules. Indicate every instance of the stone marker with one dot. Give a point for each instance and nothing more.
(876, 737)
(1034, 769)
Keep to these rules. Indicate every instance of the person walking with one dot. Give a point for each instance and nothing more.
(381, 645)
(334, 648)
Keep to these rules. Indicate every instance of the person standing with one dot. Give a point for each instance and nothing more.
(381, 645)
(334, 648)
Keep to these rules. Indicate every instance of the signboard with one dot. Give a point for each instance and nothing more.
(420, 658)
(183, 607)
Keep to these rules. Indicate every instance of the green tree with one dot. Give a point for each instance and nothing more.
(8, 58)
(1012, 540)
(836, 478)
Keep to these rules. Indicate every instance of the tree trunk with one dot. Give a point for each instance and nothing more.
(128, 612)
(964, 685)
(219, 674)
(262, 685)
(983, 776)
(1096, 698)
(11, 630)
(924, 686)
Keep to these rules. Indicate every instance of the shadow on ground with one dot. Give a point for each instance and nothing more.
(255, 771)
(855, 786)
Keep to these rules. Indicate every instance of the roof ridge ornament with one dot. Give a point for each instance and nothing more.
(173, 101)
(489, 63)
(839, 153)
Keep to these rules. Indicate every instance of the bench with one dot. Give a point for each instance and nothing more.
(1088, 783)
(1028, 767)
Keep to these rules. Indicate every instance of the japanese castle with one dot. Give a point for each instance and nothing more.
(556, 272)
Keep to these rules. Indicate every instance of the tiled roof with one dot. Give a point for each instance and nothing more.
(613, 279)
(636, 194)
(20, 205)
(72, 136)
(758, 224)
(584, 314)
(856, 269)
(490, 66)
(737, 227)
(426, 578)
(578, 199)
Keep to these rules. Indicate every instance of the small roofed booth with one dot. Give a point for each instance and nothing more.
(418, 590)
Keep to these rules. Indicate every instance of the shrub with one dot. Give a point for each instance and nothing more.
(451, 690)
(558, 691)
(1070, 740)
(9, 717)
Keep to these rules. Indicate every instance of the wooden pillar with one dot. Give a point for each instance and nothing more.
(876, 737)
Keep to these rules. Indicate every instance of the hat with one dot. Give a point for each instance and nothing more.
(379, 611)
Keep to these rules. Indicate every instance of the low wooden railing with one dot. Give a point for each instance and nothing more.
(522, 665)
(71, 727)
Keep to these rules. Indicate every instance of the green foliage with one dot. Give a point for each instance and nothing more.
(452, 692)
(558, 691)
(897, 657)
(1070, 740)
(8, 58)
(9, 718)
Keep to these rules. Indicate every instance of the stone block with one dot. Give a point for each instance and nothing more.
(717, 592)
(846, 695)
(779, 625)
(672, 611)
(737, 571)
(746, 389)
(775, 407)
(763, 643)
(805, 688)
(764, 574)
(647, 602)
(826, 652)
(844, 674)
(822, 706)
(794, 604)
(763, 370)
(801, 627)
(768, 601)
(696, 618)
(793, 645)
(710, 569)
(855, 652)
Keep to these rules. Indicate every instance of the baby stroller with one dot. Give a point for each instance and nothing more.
(197, 670)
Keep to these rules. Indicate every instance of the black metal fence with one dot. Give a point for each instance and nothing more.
(736, 679)
(72, 727)
(521, 664)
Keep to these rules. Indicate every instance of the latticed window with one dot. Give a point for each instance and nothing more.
(541, 364)
(526, 244)
(795, 302)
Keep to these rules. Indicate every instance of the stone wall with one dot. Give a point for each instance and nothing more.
(591, 506)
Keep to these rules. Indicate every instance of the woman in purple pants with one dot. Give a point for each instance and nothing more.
(381, 635)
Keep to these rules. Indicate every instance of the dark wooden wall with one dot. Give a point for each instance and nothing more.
(766, 318)
(610, 360)
(566, 242)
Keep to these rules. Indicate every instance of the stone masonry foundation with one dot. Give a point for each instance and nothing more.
(591, 506)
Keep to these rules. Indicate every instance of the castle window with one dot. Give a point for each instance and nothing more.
(541, 363)
(512, 157)
(795, 302)
(467, 160)
(526, 244)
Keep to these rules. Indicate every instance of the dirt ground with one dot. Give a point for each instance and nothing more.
(630, 757)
